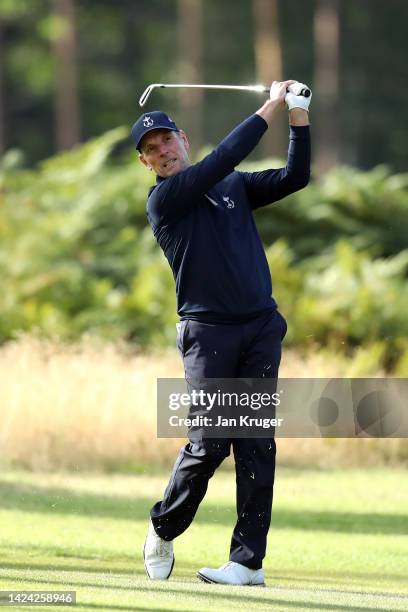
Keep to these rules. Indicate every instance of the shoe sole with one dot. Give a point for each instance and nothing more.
(209, 581)
(147, 571)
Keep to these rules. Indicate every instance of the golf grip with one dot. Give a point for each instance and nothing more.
(305, 92)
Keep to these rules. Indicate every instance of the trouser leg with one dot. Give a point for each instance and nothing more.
(208, 351)
(255, 457)
(188, 483)
(255, 471)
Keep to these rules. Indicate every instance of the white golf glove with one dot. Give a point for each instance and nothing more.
(293, 98)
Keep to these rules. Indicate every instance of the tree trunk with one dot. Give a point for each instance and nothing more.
(190, 68)
(268, 58)
(67, 129)
(3, 145)
(326, 84)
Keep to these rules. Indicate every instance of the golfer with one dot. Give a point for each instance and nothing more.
(201, 216)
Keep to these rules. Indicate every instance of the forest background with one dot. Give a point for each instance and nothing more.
(78, 261)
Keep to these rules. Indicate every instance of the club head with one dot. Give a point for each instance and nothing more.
(143, 98)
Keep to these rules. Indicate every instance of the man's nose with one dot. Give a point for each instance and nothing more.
(163, 149)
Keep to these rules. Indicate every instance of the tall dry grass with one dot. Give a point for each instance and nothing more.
(93, 406)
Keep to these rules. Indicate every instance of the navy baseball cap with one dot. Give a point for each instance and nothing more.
(151, 121)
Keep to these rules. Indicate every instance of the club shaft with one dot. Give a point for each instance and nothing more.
(256, 88)
(147, 92)
(259, 88)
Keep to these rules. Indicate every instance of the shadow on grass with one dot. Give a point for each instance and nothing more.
(93, 606)
(213, 592)
(28, 498)
(185, 571)
(105, 606)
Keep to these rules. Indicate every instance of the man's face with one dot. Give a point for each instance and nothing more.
(165, 151)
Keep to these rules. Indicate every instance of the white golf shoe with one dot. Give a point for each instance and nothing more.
(232, 573)
(158, 555)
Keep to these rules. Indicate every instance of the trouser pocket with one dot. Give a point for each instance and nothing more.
(181, 334)
(284, 325)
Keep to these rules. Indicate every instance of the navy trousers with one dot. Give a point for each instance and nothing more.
(245, 350)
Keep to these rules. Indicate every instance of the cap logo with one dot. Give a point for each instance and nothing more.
(147, 121)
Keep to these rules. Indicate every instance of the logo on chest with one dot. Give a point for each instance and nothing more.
(230, 203)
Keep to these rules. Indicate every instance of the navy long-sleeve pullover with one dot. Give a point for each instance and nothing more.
(202, 219)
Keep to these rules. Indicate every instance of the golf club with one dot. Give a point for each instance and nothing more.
(256, 88)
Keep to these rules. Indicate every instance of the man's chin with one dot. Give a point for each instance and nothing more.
(172, 171)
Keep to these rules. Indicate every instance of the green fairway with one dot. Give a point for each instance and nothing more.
(338, 541)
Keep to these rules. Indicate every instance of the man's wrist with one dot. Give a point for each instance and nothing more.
(268, 110)
(298, 116)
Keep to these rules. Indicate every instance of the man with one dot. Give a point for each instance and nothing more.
(201, 216)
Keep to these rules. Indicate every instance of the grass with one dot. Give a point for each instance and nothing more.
(93, 406)
(339, 541)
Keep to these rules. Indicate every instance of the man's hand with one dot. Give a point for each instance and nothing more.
(278, 91)
(278, 95)
(294, 100)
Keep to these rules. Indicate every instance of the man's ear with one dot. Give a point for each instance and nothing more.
(144, 162)
(184, 138)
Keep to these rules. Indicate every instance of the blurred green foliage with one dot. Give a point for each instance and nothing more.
(77, 255)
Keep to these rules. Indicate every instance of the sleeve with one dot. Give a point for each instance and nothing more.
(176, 195)
(271, 185)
